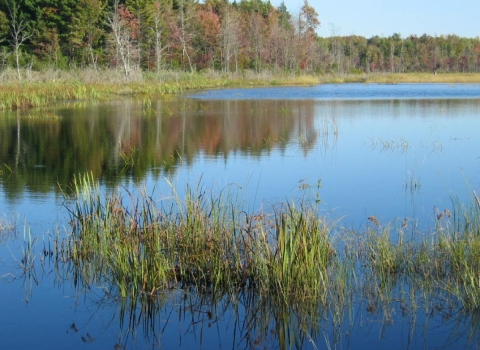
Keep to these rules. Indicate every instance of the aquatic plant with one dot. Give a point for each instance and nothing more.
(7, 227)
(128, 157)
(412, 182)
(399, 145)
(31, 95)
(142, 245)
(286, 263)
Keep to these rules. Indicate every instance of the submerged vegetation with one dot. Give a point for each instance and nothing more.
(7, 227)
(5, 169)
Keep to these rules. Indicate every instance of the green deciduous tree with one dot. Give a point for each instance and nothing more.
(3, 26)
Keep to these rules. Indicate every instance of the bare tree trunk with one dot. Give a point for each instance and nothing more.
(183, 35)
(230, 41)
(92, 57)
(117, 31)
(20, 34)
(158, 39)
(400, 69)
(392, 62)
(122, 37)
(226, 36)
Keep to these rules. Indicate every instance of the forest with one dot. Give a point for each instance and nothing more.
(219, 35)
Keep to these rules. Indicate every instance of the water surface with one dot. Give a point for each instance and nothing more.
(349, 92)
(393, 151)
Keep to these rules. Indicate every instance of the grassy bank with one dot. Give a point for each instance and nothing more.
(397, 78)
(289, 254)
(51, 86)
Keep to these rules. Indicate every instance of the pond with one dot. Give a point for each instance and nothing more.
(387, 152)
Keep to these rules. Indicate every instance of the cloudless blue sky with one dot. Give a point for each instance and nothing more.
(385, 17)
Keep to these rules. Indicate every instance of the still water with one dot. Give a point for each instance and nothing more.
(392, 151)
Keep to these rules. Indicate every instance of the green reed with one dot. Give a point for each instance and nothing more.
(140, 245)
(303, 253)
(31, 95)
(446, 259)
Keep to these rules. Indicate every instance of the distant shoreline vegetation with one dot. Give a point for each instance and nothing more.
(142, 37)
(51, 86)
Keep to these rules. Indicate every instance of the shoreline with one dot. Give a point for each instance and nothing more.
(51, 86)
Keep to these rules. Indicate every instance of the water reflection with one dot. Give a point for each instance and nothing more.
(375, 316)
(122, 140)
(389, 158)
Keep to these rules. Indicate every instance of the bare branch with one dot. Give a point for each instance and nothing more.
(20, 33)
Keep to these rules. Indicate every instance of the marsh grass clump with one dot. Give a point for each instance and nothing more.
(449, 258)
(383, 255)
(32, 95)
(458, 260)
(115, 243)
(140, 245)
(303, 254)
(385, 259)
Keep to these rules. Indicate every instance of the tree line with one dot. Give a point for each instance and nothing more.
(153, 35)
